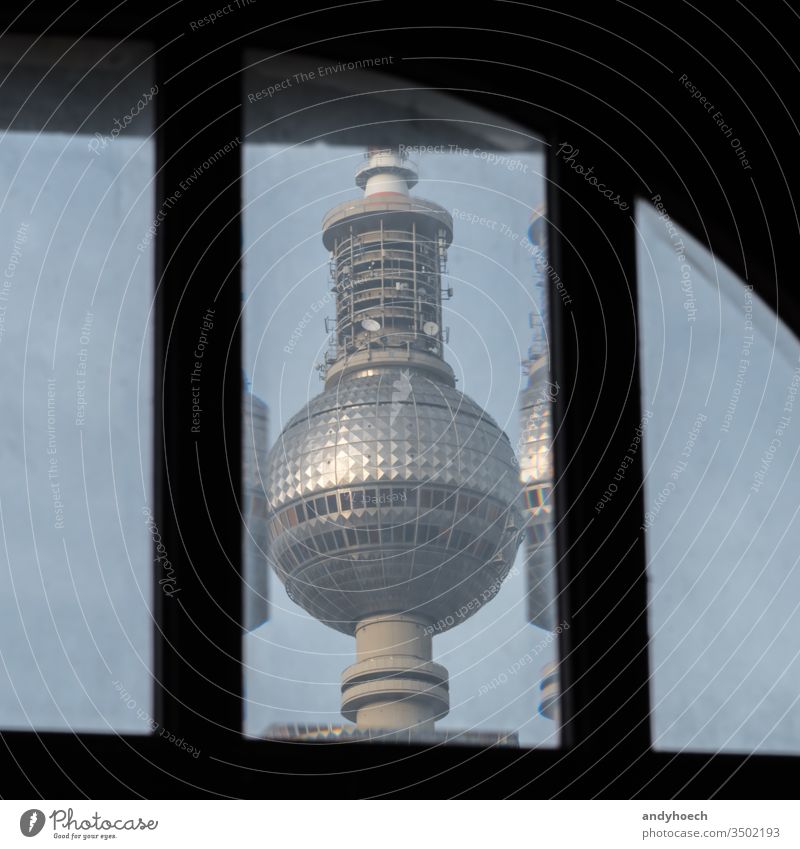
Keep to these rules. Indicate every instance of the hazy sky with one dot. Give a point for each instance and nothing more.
(75, 561)
(724, 577)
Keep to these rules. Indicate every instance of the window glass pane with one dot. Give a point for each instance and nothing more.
(720, 377)
(393, 260)
(76, 294)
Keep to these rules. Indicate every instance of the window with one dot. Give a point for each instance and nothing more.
(315, 298)
(76, 331)
(586, 106)
(721, 433)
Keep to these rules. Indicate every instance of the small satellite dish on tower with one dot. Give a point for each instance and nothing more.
(430, 328)
(371, 325)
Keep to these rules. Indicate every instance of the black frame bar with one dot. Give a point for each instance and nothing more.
(199, 270)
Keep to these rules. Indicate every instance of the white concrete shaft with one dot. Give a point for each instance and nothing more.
(406, 714)
(394, 634)
(386, 181)
(394, 684)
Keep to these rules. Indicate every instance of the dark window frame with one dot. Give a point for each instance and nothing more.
(606, 737)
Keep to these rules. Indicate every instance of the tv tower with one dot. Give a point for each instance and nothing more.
(393, 498)
(536, 466)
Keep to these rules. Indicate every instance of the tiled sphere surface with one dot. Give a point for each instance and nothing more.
(392, 492)
(536, 473)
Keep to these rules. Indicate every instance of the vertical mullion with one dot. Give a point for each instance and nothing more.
(602, 562)
(198, 613)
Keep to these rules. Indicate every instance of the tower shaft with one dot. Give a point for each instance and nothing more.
(394, 682)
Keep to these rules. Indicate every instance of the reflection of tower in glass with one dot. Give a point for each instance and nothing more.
(394, 511)
(255, 425)
(536, 468)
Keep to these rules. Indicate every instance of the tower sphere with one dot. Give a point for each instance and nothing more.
(392, 491)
